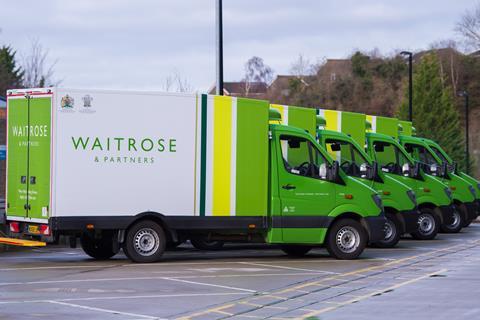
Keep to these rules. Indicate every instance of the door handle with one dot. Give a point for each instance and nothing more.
(27, 207)
(289, 187)
(33, 180)
(23, 179)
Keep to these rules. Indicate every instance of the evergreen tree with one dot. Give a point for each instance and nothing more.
(11, 76)
(434, 113)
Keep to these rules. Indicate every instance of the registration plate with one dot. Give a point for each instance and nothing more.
(33, 229)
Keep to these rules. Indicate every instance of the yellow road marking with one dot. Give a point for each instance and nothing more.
(366, 296)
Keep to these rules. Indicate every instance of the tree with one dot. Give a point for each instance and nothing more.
(469, 27)
(256, 71)
(434, 113)
(176, 83)
(38, 73)
(11, 76)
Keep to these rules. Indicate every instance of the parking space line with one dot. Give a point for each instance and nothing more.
(287, 268)
(211, 285)
(141, 316)
(128, 297)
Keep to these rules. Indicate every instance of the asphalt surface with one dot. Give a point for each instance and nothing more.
(417, 280)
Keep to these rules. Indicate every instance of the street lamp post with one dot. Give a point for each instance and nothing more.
(465, 95)
(219, 34)
(410, 82)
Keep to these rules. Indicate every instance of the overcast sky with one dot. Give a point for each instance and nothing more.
(137, 44)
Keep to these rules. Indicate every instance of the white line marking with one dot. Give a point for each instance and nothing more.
(59, 267)
(129, 297)
(165, 278)
(103, 310)
(211, 285)
(287, 268)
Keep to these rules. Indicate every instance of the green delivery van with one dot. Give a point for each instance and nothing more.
(434, 198)
(343, 134)
(139, 170)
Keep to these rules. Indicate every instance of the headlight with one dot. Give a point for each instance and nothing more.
(448, 193)
(378, 201)
(472, 191)
(411, 194)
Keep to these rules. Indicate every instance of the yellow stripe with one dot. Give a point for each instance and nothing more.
(331, 117)
(370, 119)
(280, 108)
(222, 155)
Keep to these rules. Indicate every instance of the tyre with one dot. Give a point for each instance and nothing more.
(145, 242)
(456, 225)
(203, 244)
(346, 239)
(392, 233)
(467, 223)
(296, 250)
(100, 249)
(428, 225)
(464, 212)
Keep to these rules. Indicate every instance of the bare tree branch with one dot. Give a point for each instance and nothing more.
(35, 65)
(469, 27)
(175, 82)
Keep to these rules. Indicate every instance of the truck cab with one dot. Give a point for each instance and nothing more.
(463, 193)
(314, 202)
(399, 200)
(434, 198)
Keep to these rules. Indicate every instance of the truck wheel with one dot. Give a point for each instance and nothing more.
(346, 239)
(203, 244)
(456, 225)
(145, 242)
(428, 225)
(392, 233)
(464, 212)
(296, 250)
(100, 249)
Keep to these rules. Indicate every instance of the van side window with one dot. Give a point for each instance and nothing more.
(351, 160)
(422, 155)
(301, 157)
(389, 157)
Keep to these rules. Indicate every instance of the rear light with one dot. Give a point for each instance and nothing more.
(15, 227)
(44, 229)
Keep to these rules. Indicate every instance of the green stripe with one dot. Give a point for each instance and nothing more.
(203, 156)
(252, 157)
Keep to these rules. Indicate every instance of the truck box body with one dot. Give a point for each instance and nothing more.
(90, 153)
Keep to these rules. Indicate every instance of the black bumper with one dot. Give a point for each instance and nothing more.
(472, 209)
(376, 228)
(410, 219)
(447, 213)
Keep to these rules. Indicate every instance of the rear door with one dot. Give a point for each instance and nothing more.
(17, 156)
(28, 152)
(39, 157)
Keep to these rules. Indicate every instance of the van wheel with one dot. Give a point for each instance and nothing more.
(392, 233)
(145, 242)
(428, 225)
(296, 251)
(464, 212)
(100, 249)
(346, 239)
(456, 225)
(203, 244)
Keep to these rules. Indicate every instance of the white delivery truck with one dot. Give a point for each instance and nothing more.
(140, 170)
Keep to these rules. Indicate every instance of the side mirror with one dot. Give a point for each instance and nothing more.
(379, 147)
(416, 172)
(455, 167)
(444, 170)
(336, 147)
(434, 169)
(334, 174)
(406, 169)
